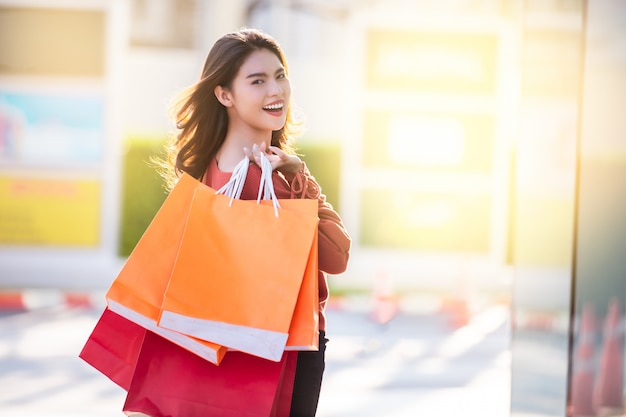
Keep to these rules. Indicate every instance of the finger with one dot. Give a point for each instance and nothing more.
(277, 151)
(251, 155)
(254, 154)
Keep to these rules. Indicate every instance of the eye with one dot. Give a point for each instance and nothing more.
(281, 76)
(257, 81)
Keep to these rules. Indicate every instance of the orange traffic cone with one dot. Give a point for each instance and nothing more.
(609, 385)
(385, 303)
(583, 366)
(457, 305)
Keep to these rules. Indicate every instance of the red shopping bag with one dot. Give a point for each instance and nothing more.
(113, 347)
(284, 394)
(239, 272)
(171, 382)
(137, 292)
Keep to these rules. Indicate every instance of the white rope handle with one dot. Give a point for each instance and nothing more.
(234, 186)
(266, 185)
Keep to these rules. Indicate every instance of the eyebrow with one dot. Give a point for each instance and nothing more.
(263, 74)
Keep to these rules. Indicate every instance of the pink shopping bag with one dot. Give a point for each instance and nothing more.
(113, 347)
(169, 381)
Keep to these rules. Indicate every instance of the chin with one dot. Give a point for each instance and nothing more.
(277, 126)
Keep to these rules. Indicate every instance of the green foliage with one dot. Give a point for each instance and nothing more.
(142, 190)
(324, 162)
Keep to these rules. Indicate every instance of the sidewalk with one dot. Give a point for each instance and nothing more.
(415, 364)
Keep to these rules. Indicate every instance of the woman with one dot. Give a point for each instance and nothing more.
(241, 107)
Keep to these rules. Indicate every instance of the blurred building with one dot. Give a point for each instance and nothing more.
(481, 141)
(416, 98)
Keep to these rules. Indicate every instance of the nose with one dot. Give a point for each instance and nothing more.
(275, 89)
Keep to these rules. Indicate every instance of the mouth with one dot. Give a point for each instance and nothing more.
(274, 107)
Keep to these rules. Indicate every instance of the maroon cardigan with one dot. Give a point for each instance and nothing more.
(333, 239)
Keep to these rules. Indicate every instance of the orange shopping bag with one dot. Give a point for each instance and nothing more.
(137, 292)
(240, 269)
(304, 327)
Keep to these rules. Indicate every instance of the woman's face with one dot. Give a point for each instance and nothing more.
(260, 93)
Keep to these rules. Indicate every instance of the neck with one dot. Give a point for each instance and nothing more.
(242, 134)
(231, 152)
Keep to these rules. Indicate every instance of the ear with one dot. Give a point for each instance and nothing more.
(223, 96)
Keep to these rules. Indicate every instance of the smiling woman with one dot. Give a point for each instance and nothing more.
(244, 71)
(260, 89)
(241, 108)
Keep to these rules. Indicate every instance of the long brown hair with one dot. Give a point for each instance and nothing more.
(201, 120)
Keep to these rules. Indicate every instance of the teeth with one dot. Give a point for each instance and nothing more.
(274, 106)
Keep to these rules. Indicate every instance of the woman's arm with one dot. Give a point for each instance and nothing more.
(333, 241)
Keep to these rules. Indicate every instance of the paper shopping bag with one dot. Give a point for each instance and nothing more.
(137, 292)
(284, 394)
(304, 326)
(238, 273)
(169, 381)
(113, 347)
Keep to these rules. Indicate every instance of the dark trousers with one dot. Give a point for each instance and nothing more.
(308, 381)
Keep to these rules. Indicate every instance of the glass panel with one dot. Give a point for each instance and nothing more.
(543, 207)
(596, 384)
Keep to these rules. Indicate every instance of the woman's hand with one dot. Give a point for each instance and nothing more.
(286, 163)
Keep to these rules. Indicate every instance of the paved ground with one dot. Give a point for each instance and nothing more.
(415, 365)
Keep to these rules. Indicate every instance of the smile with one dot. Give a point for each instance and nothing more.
(273, 107)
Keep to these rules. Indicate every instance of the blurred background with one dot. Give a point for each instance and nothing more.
(476, 150)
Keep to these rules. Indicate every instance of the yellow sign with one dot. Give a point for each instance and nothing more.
(425, 221)
(52, 41)
(37, 211)
(435, 62)
(428, 141)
